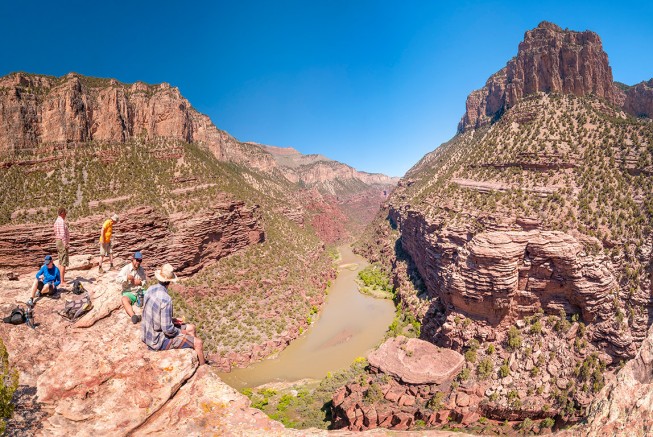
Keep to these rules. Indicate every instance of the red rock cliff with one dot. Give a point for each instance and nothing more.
(549, 59)
(36, 110)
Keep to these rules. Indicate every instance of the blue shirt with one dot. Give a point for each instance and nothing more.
(157, 317)
(49, 275)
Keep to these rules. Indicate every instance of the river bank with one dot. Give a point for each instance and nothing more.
(349, 325)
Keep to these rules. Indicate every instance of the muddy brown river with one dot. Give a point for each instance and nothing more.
(350, 325)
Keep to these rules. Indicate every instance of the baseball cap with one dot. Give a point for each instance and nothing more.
(48, 258)
(138, 255)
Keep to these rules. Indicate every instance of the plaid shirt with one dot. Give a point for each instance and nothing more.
(61, 231)
(157, 317)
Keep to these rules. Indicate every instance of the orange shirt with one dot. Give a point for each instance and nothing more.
(107, 230)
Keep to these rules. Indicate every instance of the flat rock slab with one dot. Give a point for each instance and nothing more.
(416, 361)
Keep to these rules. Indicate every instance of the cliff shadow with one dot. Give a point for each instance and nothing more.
(28, 414)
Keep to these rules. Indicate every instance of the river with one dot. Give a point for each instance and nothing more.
(350, 325)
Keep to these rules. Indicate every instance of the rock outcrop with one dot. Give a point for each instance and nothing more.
(502, 276)
(406, 375)
(550, 60)
(415, 361)
(189, 241)
(96, 377)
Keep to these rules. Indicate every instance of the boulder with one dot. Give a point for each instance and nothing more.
(415, 361)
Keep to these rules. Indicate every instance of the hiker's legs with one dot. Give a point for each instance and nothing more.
(63, 259)
(127, 305)
(35, 286)
(199, 348)
(47, 289)
(190, 330)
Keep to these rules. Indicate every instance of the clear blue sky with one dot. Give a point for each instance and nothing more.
(374, 84)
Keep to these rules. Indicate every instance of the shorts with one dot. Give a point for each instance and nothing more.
(131, 294)
(105, 249)
(63, 254)
(40, 285)
(182, 341)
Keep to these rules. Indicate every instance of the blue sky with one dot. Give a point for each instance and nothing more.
(374, 84)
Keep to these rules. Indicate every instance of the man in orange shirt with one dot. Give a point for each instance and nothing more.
(105, 241)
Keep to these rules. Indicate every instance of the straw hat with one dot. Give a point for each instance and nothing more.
(166, 274)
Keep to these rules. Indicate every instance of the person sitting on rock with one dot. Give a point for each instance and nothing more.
(159, 330)
(47, 280)
(132, 280)
(105, 241)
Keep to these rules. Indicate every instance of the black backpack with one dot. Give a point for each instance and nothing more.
(78, 288)
(16, 317)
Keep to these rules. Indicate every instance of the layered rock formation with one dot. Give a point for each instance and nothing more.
(552, 60)
(502, 276)
(189, 241)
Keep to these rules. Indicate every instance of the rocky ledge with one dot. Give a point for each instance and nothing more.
(96, 377)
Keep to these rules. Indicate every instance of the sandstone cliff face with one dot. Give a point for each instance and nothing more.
(502, 276)
(36, 110)
(550, 60)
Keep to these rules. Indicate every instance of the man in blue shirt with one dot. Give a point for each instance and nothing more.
(47, 280)
(159, 330)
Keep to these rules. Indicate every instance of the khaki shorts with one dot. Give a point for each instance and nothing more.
(182, 341)
(63, 254)
(105, 249)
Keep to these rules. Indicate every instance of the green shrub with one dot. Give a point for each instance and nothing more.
(436, 402)
(485, 368)
(514, 339)
(8, 385)
(373, 393)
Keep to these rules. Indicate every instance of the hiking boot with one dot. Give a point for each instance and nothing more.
(99, 270)
(111, 266)
(30, 302)
(136, 318)
(38, 294)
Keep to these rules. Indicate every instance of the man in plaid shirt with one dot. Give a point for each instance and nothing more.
(62, 240)
(159, 329)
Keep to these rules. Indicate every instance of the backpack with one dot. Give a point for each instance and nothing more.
(78, 288)
(16, 317)
(74, 309)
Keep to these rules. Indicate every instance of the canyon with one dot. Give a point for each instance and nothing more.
(519, 252)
